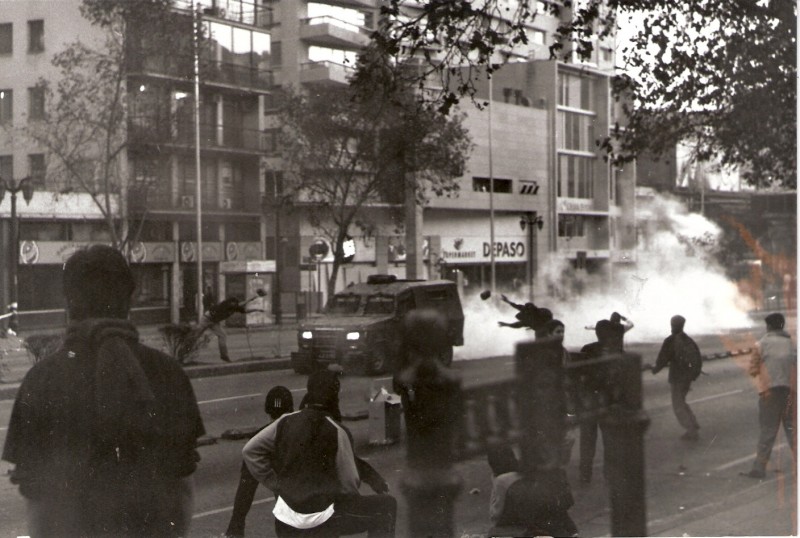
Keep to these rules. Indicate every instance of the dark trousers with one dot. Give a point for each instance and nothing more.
(245, 493)
(222, 337)
(587, 450)
(679, 406)
(776, 406)
(352, 514)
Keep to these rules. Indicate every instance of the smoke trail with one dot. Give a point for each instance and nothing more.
(675, 273)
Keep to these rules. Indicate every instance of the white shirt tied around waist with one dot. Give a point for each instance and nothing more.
(298, 520)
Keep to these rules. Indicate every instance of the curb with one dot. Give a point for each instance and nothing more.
(257, 364)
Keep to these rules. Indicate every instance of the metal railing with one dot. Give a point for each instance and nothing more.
(532, 410)
(180, 66)
(338, 23)
(144, 129)
(240, 11)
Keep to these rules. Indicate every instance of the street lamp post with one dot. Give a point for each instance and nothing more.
(25, 186)
(528, 220)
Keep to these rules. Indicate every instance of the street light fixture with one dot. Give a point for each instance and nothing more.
(25, 186)
(528, 220)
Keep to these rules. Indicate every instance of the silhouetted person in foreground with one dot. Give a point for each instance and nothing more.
(307, 459)
(278, 402)
(685, 362)
(773, 364)
(103, 431)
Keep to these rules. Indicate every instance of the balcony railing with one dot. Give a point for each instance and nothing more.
(149, 130)
(233, 10)
(338, 23)
(211, 72)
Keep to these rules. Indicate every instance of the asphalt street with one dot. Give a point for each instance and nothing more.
(693, 489)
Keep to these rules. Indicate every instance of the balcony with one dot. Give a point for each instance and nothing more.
(325, 73)
(328, 31)
(150, 130)
(241, 11)
(219, 74)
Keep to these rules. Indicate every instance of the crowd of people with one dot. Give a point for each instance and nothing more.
(103, 433)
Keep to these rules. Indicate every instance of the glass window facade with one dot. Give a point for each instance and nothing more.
(152, 285)
(576, 131)
(575, 176)
(36, 36)
(575, 91)
(571, 226)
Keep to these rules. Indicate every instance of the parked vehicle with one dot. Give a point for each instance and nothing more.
(361, 327)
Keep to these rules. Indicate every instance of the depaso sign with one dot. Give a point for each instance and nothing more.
(465, 249)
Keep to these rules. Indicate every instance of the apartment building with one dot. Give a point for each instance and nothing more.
(159, 160)
(553, 195)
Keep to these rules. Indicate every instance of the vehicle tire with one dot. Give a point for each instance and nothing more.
(377, 361)
(446, 357)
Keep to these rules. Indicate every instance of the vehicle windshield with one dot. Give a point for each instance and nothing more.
(379, 304)
(344, 304)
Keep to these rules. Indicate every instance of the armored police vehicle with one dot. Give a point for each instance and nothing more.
(361, 327)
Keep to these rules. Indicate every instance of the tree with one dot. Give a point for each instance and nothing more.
(346, 149)
(85, 126)
(718, 74)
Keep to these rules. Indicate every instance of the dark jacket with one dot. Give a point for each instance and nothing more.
(222, 311)
(683, 357)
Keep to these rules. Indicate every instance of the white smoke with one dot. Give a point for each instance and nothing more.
(675, 273)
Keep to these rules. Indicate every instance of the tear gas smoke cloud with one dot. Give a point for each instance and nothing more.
(675, 273)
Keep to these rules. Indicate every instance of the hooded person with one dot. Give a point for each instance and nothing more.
(307, 459)
(682, 355)
(278, 402)
(773, 365)
(104, 430)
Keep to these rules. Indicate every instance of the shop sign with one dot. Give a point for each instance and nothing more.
(212, 252)
(57, 252)
(460, 250)
(574, 205)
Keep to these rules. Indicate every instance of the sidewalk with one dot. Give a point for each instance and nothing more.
(252, 350)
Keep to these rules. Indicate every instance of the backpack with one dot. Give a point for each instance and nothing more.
(687, 355)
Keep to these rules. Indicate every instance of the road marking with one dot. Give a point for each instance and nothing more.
(229, 508)
(240, 397)
(715, 396)
(739, 461)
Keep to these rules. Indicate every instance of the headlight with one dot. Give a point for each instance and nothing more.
(306, 335)
(353, 336)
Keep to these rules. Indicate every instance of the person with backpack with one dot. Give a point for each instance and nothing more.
(278, 402)
(681, 354)
(773, 364)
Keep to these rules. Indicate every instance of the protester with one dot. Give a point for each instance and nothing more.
(103, 431)
(685, 362)
(215, 315)
(504, 507)
(774, 366)
(595, 381)
(529, 315)
(619, 326)
(278, 402)
(307, 459)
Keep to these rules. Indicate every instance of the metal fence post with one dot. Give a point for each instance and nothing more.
(432, 406)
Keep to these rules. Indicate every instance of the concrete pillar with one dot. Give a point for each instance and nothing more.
(177, 283)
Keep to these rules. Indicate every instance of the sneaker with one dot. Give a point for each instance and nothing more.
(691, 436)
(754, 473)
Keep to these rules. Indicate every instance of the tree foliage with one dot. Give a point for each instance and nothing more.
(720, 74)
(349, 149)
(84, 129)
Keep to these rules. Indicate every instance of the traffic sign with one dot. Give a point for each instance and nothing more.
(318, 250)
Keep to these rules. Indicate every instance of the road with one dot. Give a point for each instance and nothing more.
(693, 488)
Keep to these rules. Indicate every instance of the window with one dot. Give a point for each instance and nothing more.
(277, 54)
(337, 56)
(481, 184)
(36, 168)
(6, 166)
(6, 38)
(575, 176)
(43, 231)
(36, 36)
(537, 37)
(6, 107)
(607, 55)
(35, 103)
(152, 284)
(575, 91)
(576, 131)
(571, 226)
